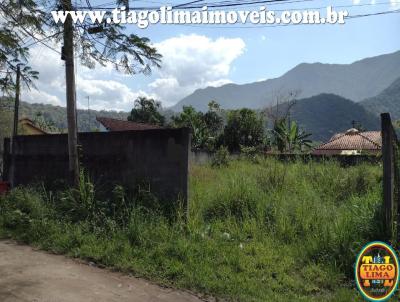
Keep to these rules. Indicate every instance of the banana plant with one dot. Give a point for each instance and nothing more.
(289, 138)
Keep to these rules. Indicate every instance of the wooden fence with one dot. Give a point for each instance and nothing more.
(391, 178)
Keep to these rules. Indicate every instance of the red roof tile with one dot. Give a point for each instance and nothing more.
(120, 125)
(353, 139)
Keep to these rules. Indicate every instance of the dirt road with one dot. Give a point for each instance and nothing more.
(35, 276)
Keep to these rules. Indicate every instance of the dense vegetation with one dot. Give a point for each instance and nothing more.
(147, 111)
(387, 101)
(57, 115)
(258, 230)
(327, 114)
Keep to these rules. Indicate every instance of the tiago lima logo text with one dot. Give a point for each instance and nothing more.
(377, 271)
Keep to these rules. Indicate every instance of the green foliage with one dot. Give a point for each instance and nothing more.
(250, 153)
(147, 111)
(46, 124)
(80, 203)
(220, 157)
(109, 44)
(6, 122)
(192, 119)
(20, 19)
(289, 137)
(386, 101)
(213, 120)
(20, 208)
(56, 117)
(244, 128)
(324, 115)
(205, 128)
(285, 231)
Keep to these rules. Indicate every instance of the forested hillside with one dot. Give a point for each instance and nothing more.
(57, 115)
(387, 101)
(327, 114)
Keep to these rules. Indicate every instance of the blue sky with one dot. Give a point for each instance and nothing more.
(199, 56)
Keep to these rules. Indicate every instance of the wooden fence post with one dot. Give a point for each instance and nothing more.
(388, 172)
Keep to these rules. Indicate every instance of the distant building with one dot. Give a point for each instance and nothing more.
(110, 124)
(28, 127)
(351, 142)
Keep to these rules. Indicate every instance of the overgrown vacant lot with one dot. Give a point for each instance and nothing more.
(265, 231)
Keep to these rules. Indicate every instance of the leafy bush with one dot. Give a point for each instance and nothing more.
(220, 158)
(244, 128)
(20, 207)
(80, 203)
(250, 153)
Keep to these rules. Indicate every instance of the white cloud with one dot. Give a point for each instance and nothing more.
(189, 62)
(193, 61)
(107, 94)
(99, 83)
(40, 96)
(395, 3)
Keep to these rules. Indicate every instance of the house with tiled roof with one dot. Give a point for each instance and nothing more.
(110, 124)
(351, 142)
(28, 127)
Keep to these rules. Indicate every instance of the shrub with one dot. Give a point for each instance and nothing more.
(79, 204)
(20, 206)
(220, 158)
(250, 153)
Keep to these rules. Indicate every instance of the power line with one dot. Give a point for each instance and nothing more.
(44, 39)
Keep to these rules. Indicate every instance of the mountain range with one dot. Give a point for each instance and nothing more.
(387, 101)
(357, 81)
(330, 97)
(324, 115)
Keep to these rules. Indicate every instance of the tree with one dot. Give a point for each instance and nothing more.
(18, 18)
(46, 124)
(289, 138)
(147, 111)
(104, 44)
(193, 119)
(6, 125)
(213, 120)
(205, 127)
(245, 128)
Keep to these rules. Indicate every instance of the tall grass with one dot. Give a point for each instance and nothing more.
(258, 230)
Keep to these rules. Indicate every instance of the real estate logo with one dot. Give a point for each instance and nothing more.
(377, 271)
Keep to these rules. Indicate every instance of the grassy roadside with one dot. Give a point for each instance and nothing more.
(265, 231)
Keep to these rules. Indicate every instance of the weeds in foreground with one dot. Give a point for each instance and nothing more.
(257, 232)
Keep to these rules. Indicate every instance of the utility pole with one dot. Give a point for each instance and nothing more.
(88, 111)
(15, 129)
(16, 106)
(68, 56)
(289, 132)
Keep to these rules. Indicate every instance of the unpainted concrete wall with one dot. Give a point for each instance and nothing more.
(157, 157)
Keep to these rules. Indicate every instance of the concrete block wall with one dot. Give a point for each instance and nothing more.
(157, 157)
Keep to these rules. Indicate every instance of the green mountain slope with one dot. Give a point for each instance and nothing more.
(58, 115)
(327, 114)
(387, 101)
